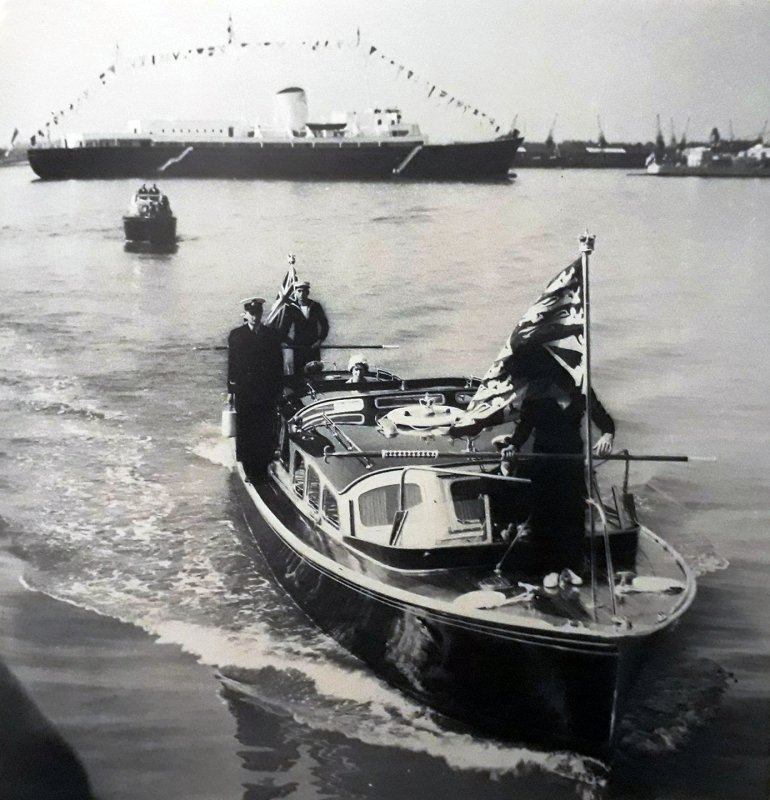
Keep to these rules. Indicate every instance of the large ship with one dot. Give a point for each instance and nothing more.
(372, 145)
(576, 154)
(708, 162)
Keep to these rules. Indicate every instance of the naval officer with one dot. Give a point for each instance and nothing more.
(254, 381)
(305, 328)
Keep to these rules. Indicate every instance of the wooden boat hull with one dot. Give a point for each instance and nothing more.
(153, 230)
(560, 687)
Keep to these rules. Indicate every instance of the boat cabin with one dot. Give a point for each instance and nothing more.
(371, 466)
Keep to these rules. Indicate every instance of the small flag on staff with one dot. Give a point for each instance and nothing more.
(285, 296)
(544, 356)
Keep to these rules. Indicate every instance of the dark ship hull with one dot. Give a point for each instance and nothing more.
(287, 160)
(583, 155)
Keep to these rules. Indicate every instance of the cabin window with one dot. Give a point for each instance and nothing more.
(313, 495)
(330, 509)
(398, 401)
(378, 506)
(468, 502)
(298, 475)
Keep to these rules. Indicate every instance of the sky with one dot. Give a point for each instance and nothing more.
(575, 63)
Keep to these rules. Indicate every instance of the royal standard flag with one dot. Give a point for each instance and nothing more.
(544, 356)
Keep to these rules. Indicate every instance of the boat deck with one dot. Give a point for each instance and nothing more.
(660, 586)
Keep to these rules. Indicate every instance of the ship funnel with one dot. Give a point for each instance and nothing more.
(291, 110)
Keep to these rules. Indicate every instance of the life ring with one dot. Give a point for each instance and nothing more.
(425, 416)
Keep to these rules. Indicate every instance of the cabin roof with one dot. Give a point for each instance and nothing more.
(349, 417)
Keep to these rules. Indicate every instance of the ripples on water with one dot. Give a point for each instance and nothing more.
(113, 472)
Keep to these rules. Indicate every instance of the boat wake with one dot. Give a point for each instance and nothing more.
(215, 449)
(321, 687)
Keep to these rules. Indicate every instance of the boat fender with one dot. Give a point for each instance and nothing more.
(228, 421)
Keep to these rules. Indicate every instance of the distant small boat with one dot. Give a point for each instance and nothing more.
(150, 219)
(713, 162)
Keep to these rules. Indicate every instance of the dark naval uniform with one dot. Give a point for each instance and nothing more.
(558, 486)
(307, 331)
(255, 377)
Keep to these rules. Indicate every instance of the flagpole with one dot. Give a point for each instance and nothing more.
(586, 248)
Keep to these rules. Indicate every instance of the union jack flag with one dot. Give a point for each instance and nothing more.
(284, 298)
(544, 356)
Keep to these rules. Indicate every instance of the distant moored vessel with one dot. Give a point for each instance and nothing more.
(375, 145)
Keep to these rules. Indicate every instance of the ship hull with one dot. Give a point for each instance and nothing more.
(561, 688)
(289, 160)
(753, 170)
(578, 156)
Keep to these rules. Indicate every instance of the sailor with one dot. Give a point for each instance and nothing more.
(305, 327)
(254, 381)
(556, 424)
(358, 369)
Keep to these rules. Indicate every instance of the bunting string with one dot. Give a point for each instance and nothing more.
(442, 96)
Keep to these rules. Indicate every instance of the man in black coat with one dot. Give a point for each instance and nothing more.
(558, 485)
(305, 328)
(254, 381)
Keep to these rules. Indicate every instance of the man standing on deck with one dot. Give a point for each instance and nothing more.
(541, 370)
(558, 485)
(254, 380)
(305, 327)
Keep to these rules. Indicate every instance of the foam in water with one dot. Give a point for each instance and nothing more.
(348, 699)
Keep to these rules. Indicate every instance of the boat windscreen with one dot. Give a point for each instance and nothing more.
(378, 506)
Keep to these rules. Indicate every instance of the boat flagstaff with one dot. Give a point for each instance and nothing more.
(407, 540)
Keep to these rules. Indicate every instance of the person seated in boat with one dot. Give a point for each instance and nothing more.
(254, 383)
(358, 369)
(305, 327)
(556, 423)
(165, 205)
(154, 189)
